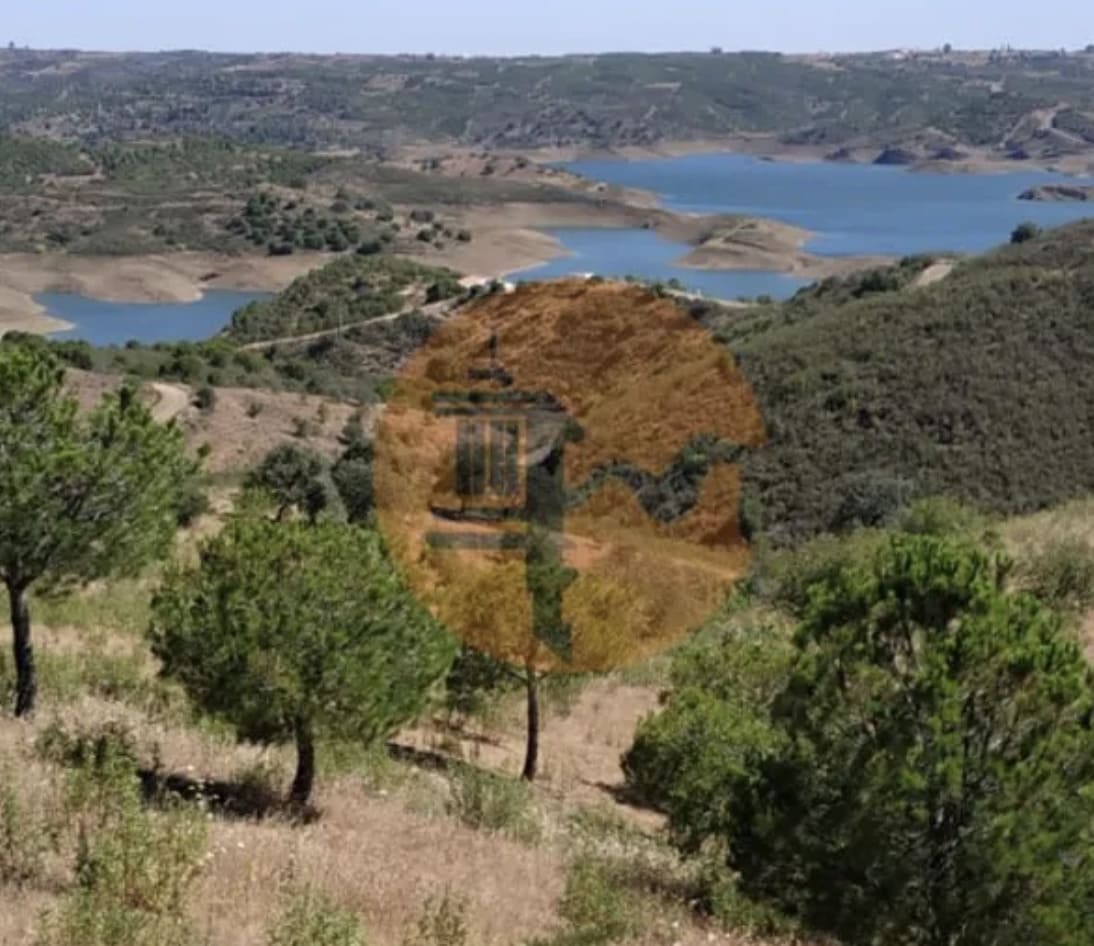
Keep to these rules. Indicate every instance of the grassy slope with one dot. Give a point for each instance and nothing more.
(980, 386)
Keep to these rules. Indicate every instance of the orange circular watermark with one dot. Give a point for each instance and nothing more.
(556, 473)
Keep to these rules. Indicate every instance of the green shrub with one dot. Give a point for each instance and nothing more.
(205, 398)
(493, 802)
(312, 920)
(784, 578)
(133, 882)
(597, 907)
(924, 771)
(942, 516)
(352, 476)
(192, 503)
(134, 867)
(101, 768)
(1025, 232)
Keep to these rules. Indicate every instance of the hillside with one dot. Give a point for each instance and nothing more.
(876, 390)
(214, 195)
(923, 105)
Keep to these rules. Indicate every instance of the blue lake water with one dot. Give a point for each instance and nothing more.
(643, 253)
(115, 323)
(852, 209)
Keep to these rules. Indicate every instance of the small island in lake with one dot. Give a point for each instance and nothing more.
(1072, 193)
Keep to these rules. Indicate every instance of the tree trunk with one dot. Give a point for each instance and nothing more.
(302, 783)
(531, 746)
(26, 680)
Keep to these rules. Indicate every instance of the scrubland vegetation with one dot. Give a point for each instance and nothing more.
(247, 731)
(212, 195)
(611, 100)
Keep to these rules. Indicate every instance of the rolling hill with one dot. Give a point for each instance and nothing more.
(876, 390)
(1019, 104)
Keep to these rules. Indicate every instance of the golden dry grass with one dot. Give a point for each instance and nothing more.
(237, 440)
(1071, 522)
(381, 852)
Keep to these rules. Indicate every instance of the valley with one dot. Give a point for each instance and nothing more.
(592, 500)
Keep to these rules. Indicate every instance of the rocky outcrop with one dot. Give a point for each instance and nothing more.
(1057, 193)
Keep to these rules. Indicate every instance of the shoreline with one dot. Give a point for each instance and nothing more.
(182, 277)
(509, 239)
(513, 239)
(769, 148)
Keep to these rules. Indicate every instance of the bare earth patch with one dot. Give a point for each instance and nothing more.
(243, 424)
(179, 277)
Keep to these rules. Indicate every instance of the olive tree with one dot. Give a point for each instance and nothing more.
(82, 496)
(924, 772)
(352, 477)
(293, 477)
(290, 632)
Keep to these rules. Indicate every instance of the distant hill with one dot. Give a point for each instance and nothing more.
(919, 105)
(874, 391)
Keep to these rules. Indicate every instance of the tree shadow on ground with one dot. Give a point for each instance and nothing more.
(227, 798)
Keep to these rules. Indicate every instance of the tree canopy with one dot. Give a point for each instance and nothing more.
(294, 477)
(82, 496)
(290, 632)
(922, 773)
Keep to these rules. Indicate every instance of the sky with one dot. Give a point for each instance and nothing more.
(497, 27)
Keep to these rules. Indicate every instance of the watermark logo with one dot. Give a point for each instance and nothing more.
(557, 474)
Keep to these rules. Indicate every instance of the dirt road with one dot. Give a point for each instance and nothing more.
(171, 400)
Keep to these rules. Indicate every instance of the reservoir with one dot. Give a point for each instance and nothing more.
(852, 209)
(643, 253)
(115, 323)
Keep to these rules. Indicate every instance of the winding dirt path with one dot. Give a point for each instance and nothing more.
(936, 272)
(171, 400)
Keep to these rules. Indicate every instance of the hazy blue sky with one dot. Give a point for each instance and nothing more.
(544, 26)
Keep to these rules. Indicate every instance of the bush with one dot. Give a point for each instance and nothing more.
(942, 516)
(924, 771)
(1025, 232)
(870, 500)
(597, 908)
(312, 920)
(134, 868)
(352, 476)
(492, 802)
(475, 683)
(785, 578)
(205, 398)
(191, 503)
(293, 477)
